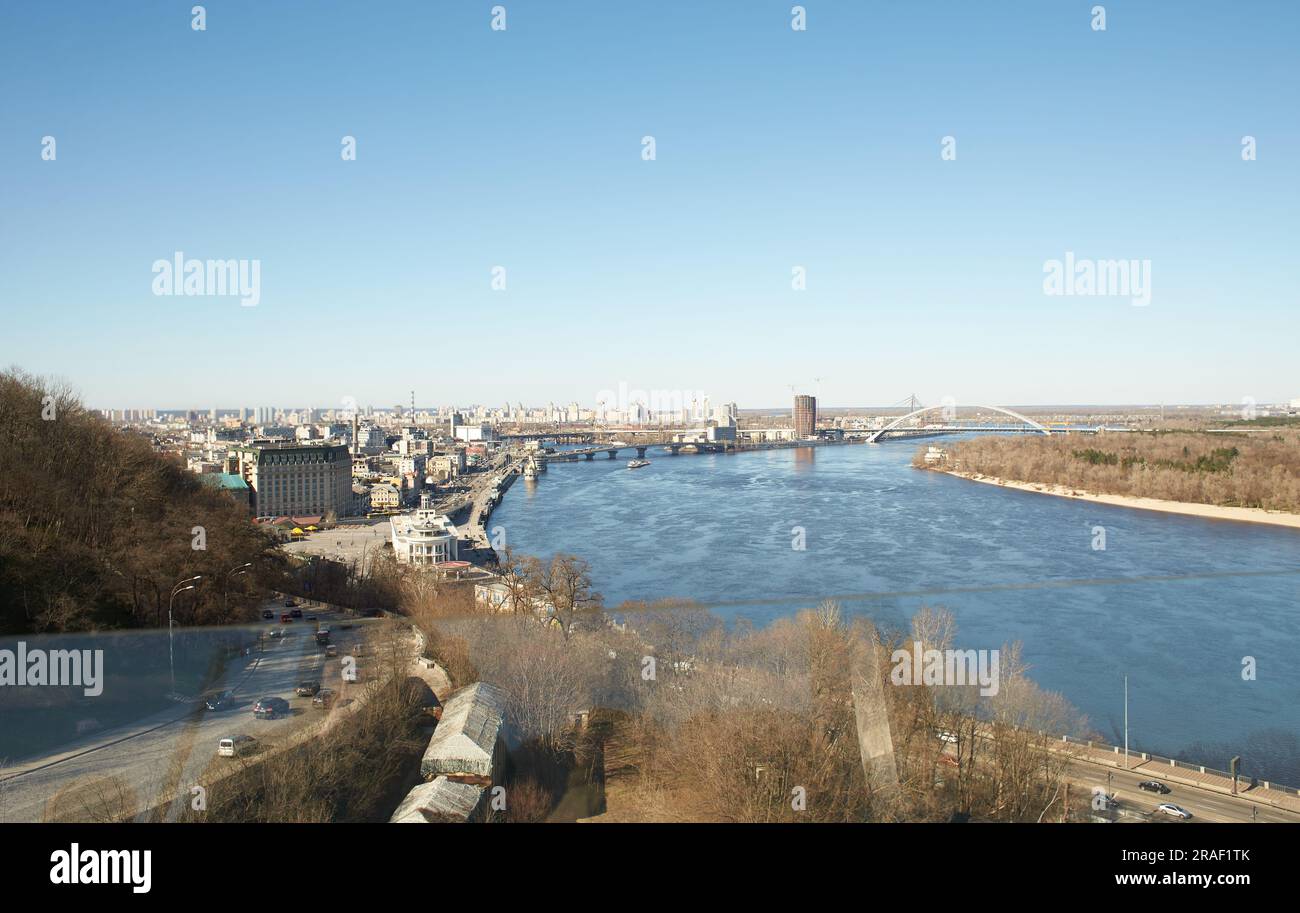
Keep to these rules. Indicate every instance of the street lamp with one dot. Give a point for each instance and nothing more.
(1126, 722)
(225, 591)
(189, 584)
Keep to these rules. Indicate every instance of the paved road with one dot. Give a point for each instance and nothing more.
(1205, 805)
(161, 756)
(474, 529)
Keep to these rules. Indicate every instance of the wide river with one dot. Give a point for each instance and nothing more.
(1173, 602)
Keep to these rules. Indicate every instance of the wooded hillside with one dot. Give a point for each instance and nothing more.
(96, 527)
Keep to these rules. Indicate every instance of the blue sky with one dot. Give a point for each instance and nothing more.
(775, 149)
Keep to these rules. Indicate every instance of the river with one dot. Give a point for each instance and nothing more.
(1176, 603)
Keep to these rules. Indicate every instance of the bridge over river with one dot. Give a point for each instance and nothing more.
(904, 426)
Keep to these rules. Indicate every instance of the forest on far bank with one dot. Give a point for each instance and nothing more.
(1229, 470)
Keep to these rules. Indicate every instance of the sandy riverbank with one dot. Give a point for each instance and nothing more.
(1206, 511)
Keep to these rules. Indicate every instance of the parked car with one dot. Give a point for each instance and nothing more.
(946, 736)
(311, 617)
(270, 708)
(1154, 786)
(307, 689)
(331, 650)
(218, 700)
(235, 746)
(285, 618)
(1173, 811)
(296, 613)
(276, 632)
(268, 614)
(323, 698)
(289, 603)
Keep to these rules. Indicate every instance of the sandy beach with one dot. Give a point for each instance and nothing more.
(1189, 509)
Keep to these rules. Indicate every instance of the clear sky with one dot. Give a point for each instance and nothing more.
(774, 149)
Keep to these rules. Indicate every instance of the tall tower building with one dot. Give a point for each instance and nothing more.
(805, 416)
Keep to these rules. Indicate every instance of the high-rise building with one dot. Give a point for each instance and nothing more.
(297, 480)
(805, 416)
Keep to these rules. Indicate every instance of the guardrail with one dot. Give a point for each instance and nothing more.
(1175, 764)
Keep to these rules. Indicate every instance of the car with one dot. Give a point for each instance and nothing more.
(268, 614)
(946, 736)
(1173, 811)
(218, 700)
(323, 698)
(1102, 800)
(270, 708)
(311, 617)
(307, 689)
(285, 618)
(296, 613)
(234, 746)
(331, 650)
(276, 632)
(1154, 786)
(289, 603)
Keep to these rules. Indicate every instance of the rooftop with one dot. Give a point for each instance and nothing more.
(224, 480)
(438, 800)
(466, 738)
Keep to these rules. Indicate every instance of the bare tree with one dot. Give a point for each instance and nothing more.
(517, 577)
(565, 585)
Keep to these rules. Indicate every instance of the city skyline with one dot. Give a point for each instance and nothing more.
(251, 412)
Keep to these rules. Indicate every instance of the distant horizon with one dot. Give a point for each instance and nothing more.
(821, 407)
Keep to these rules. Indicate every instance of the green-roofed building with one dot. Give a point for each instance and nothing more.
(231, 484)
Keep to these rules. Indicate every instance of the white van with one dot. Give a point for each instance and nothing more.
(235, 746)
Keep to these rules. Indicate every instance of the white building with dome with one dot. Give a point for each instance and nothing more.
(424, 536)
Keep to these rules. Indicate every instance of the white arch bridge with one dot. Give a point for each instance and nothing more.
(1027, 424)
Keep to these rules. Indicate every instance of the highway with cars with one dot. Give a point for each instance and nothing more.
(1204, 804)
(156, 760)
